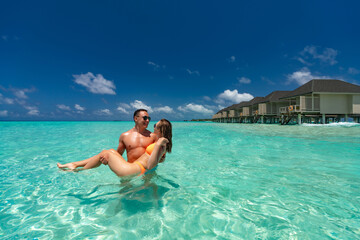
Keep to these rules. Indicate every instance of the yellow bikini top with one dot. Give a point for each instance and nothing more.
(150, 148)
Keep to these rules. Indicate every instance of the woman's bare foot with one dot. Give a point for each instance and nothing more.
(70, 166)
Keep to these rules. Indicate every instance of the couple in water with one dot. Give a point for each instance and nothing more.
(144, 149)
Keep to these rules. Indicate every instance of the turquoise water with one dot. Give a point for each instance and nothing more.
(224, 181)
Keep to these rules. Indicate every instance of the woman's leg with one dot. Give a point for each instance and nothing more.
(70, 166)
(119, 165)
(93, 161)
(115, 161)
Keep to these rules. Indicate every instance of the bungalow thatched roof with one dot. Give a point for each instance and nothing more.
(253, 101)
(275, 96)
(324, 86)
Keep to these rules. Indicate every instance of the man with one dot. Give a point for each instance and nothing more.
(138, 138)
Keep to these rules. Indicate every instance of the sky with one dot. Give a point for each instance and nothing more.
(181, 60)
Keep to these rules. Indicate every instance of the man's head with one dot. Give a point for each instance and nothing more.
(141, 118)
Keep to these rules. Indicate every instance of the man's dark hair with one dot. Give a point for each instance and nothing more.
(137, 111)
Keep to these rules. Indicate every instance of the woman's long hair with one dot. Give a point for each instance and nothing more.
(165, 128)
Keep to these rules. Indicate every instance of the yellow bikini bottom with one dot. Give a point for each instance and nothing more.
(142, 168)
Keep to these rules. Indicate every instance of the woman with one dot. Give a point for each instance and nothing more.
(154, 154)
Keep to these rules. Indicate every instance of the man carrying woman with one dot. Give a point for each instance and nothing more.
(143, 154)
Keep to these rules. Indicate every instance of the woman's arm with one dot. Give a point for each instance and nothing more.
(159, 150)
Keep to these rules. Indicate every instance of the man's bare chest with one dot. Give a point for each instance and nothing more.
(137, 142)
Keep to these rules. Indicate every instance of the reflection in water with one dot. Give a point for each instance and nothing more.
(136, 194)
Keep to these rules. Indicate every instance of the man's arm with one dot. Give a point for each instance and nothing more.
(121, 148)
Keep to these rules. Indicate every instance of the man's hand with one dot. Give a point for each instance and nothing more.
(103, 160)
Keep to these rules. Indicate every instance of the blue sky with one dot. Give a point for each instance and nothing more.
(100, 60)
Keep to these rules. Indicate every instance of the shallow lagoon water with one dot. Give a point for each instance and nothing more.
(224, 181)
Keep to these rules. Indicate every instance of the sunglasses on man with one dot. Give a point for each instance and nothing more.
(146, 118)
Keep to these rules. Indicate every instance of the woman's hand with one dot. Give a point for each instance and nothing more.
(162, 142)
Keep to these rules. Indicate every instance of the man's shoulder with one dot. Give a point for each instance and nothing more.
(132, 131)
(124, 134)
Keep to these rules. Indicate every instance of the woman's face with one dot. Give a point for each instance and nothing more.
(157, 130)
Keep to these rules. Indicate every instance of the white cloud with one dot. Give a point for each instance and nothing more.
(328, 55)
(155, 66)
(206, 98)
(165, 109)
(302, 76)
(95, 84)
(21, 102)
(193, 72)
(233, 96)
(353, 71)
(232, 59)
(139, 104)
(124, 105)
(78, 107)
(244, 80)
(21, 93)
(215, 108)
(121, 109)
(220, 107)
(300, 59)
(63, 107)
(3, 113)
(33, 111)
(104, 112)
(9, 38)
(195, 108)
(6, 100)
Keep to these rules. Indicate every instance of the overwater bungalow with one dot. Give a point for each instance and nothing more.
(317, 101)
(321, 101)
(250, 110)
(238, 109)
(269, 107)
